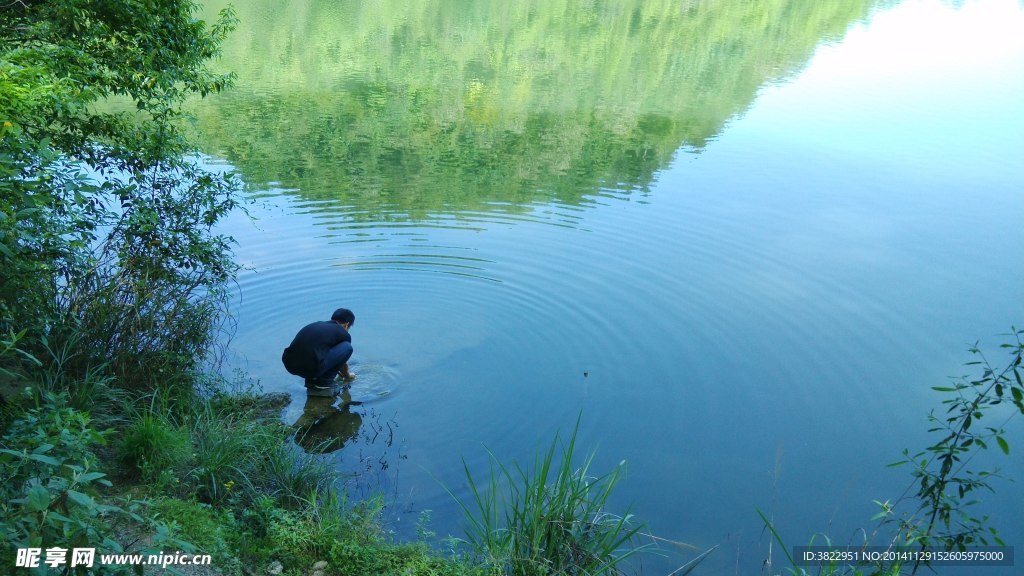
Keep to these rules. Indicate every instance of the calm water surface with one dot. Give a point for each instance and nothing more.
(742, 239)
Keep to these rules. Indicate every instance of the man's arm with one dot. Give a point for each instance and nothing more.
(345, 374)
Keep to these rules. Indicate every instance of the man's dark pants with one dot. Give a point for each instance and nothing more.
(331, 364)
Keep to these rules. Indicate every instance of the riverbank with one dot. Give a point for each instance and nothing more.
(186, 474)
(203, 476)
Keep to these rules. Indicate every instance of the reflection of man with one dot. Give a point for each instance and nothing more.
(324, 427)
(320, 351)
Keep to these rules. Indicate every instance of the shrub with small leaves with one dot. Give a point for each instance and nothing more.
(52, 495)
(49, 498)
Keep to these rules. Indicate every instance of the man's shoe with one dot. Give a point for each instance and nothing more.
(323, 391)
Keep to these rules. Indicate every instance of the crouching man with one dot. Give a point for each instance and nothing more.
(320, 352)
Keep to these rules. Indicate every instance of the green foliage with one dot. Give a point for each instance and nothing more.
(9, 352)
(225, 452)
(114, 276)
(214, 530)
(106, 218)
(551, 520)
(88, 386)
(291, 474)
(347, 540)
(152, 446)
(51, 494)
(946, 484)
(12, 377)
(52, 426)
(265, 501)
(225, 448)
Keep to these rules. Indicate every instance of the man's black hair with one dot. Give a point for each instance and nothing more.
(344, 315)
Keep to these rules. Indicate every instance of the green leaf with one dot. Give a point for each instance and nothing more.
(37, 499)
(45, 459)
(105, 508)
(81, 499)
(90, 476)
(1003, 445)
(947, 465)
(60, 517)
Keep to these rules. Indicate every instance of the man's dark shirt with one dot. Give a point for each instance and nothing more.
(303, 356)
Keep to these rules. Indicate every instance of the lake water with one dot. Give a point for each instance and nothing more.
(740, 240)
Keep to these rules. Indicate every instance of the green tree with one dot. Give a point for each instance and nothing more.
(107, 212)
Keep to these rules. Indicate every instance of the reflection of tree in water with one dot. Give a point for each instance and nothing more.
(407, 109)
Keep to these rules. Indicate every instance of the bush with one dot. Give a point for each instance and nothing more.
(12, 378)
(107, 218)
(52, 493)
(214, 531)
(348, 541)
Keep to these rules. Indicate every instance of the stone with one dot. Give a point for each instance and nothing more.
(274, 400)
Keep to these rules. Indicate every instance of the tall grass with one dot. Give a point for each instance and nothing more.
(295, 478)
(830, 567)
(88, 385)
(150, 326)
(550, 518)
